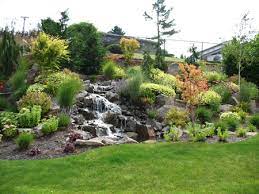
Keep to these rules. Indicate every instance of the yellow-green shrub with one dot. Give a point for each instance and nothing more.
(210, 98)
(129, 46)
(112, 71)
(177, 117)
(151, 88)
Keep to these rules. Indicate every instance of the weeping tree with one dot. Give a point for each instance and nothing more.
(165, 27)
(9, 53)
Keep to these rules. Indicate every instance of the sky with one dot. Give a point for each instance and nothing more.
(197, 20)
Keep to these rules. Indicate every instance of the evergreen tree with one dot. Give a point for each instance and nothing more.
(165, 27)
(117, 30)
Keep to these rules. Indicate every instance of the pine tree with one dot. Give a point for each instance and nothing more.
(117, 30)
(165, 27)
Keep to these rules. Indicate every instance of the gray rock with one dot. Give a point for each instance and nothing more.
(81, 96)
(25, 130)
(162, 100)
(37, 131)
(226, 107)
(156, 125)
(88, 115)
(79, 119)
(131, 125)
(253, 107)
(127, 140)
(85, 135)
(91, 142)
(89, 128)
(112, 97)
(132, 135)
(234, 100)
(161, 112)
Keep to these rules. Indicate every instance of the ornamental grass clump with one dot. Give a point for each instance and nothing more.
(24, 140)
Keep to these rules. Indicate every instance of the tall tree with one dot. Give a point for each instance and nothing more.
(165, 27)
(117, 30)
(194, 56)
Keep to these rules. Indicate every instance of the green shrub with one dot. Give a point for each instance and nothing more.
(114, 48)
(152, 114)
(24, 140)
(210, 99)
(54, 80)
(63, 120)
(196, 132)
(148, 64)
(49, 51)
(9, 131)
(4, 104)
(49, 126)
(86, 49)
(214, 77)
(232, 115)
(36, 88)
(242, 114)
(177, 117)
(174, 134)
(221, 125)
(29, 117)
(132, 71)
(8, 118)
(248, 92)
(132, 86)
(251, 128)
(203, 114)
(231, 119)
(222, 134)
(241, 132)
(254, 120)
(156, 89)
(244, 106)
(67, 92)
(159, 77)
(112, 71)
(35, 98)
(223, 91)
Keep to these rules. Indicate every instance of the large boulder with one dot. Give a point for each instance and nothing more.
(156, 125)
(145, 132)
(162, 100)
(91, 142)
(88, 115)
(132, 135)
(112, 97)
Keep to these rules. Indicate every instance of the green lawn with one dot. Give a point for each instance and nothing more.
(142, 168)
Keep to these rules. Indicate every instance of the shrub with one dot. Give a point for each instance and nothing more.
(24, 140)
(35, 98)
(54, 80)
(112, 71)
(159, 77)
(36, 88)
(241, 132)
(4, 104)
(223, 91)
(222, 134)
(8, 118)
(9, 131)
(49, 51)
(147, 88)
(148, 63)
(174, 134)
(49, 126)
(152, 114)
(63, 120)
(132, 86)
(251, 128)
(242, 114)
(215, 77)
(114, 48)
(211, 99)
(9, 52)
(86, 49)
(244, 106)
(196, 132)
(29, 118)
(203, 114)
(254, 120)
(129, 46)
(177, 117)
(67, 92)
(222, 125)
(231, 119)
(232, 87)
(248, 92)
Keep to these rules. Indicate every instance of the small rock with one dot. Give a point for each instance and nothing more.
(226, 107)
(37, 131)
(25, 130)
(127, 140)
(132, 135)
(81, 96)
(90, 142)
(79, 119)
(112, 97)
(88, 115)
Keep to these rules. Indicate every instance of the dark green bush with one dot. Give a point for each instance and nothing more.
(63, 120)
(203, 114)
(148, 64)
(85, 47)
(29, 117)
(114, 48)
(67, 92)
(49, 126)
(251, 128)
(221, 125)
(248, 92)
(152, 114)
(254, 120)
(24, 140)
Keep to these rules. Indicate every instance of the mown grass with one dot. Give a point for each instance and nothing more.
(141, 168)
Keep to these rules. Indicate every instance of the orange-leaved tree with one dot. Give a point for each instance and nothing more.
(192, 82)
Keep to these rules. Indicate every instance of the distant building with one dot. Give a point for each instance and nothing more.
(213, 53)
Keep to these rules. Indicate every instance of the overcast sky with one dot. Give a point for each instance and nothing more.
(199, 20)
